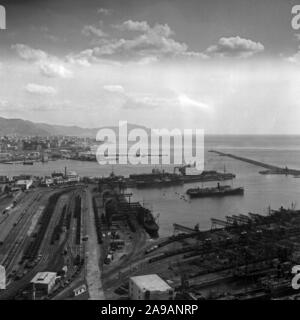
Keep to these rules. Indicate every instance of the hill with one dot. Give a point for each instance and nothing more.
(21, 128)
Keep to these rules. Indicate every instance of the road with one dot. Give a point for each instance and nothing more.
(93, 272)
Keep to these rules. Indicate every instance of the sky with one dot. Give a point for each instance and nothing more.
(228, 67)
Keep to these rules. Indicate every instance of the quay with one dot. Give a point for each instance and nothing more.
(184, 229)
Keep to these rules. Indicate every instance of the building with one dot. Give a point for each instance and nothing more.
(149, 287)
(44, 281)
(80, 290)
(24, 184)
(4, 179)
(73, 177)
(57, 175)
(5, 156)
(48, 181)
(2, 278)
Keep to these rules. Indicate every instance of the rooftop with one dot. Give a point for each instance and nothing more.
(151, 282)
(23, 182)
(43, 277)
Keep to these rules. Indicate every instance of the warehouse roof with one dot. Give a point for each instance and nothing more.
(21, 182)
(151, 282)
(43, 277)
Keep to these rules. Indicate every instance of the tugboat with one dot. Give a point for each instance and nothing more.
(219, 191)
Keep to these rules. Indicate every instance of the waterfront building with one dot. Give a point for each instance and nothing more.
(44, 281)
(149, 287)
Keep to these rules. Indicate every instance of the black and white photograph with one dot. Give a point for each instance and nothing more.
(150, 150)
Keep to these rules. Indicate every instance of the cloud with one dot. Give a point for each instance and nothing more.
(52, 106)
(80, 60)
(33, 88)
(181, 101)
(54, 69)
(104, 11)
(149, 45)
(49, 66)
(147, 102)
(142, 26)
(29, 54)
(187, 102)
(90, 30)
(130, 25)
(147, 60)
(8, 108)
(127, 100)
(295, 58)
(4, 104)
(114, 88)
(235, 47)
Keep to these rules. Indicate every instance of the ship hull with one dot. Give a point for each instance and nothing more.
(162, 180)
(203, 178)
(152, 230)
(217, 194)
(151, 184)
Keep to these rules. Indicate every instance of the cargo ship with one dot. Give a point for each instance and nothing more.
(158, 178)
(207, 176)
(146, 219)
(158, 183)
(219, 191)
(134, 213)
(155, 179)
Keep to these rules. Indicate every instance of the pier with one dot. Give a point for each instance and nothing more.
(184, 229)
(271, 169)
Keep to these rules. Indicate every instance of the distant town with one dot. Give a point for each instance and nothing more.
(27, 150)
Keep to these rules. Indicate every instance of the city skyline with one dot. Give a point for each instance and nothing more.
(231, 69)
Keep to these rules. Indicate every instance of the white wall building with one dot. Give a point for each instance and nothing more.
(2, 278)
(149, 287)
(49, 181)
(24, 184)
(73, 177)
(44, 281)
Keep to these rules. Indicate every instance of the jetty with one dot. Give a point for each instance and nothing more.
(271, 169)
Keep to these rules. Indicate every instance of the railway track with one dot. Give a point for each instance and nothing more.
(17, 236)
(46, 251)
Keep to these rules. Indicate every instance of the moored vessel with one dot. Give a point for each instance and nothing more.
(219, 191)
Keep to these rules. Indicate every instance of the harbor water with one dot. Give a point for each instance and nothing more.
(172, 205)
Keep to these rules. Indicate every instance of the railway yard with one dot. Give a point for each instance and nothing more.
(243, 257)
(42, 233)
(93, 238)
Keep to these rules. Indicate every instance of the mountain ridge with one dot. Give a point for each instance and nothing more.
(20, 127)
